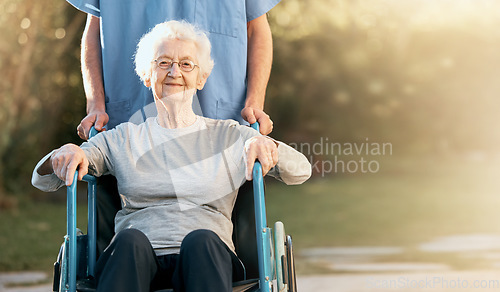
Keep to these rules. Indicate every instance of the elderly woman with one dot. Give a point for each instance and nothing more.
(178, 175)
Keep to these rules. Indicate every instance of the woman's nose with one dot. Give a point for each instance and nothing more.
(175, 70)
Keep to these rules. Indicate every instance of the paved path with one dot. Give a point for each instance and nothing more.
(449, 281)
(37, 288)
(23, 282)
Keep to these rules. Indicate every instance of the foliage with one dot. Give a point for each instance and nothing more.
(41, 85)
(418, 74)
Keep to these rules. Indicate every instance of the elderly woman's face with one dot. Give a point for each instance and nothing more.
(167, 82)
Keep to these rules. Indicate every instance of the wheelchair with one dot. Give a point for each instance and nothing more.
(268, 267)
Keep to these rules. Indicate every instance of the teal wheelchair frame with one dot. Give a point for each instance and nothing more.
(77, 257)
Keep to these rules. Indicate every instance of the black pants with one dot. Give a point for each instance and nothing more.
(205, 263)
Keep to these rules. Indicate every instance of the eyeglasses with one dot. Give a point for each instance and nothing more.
(184, 65)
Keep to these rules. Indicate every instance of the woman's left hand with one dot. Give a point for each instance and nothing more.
(265, 150)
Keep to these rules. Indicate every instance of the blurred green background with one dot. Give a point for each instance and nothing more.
(419, 76)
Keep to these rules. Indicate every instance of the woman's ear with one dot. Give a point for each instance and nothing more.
(201, 81)
(147, 80)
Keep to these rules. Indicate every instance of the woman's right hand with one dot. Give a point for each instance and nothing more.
(66, 160)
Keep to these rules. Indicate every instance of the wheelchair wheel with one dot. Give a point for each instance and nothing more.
(61, 269)
(292, 283)
(285, 266)
(57, 270)
(280, 256)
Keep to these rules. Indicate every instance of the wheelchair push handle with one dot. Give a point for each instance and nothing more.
(257, 168)
(93, 132)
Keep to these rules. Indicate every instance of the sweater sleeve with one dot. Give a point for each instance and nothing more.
(97, 150)
(292, 168)
(46, 183)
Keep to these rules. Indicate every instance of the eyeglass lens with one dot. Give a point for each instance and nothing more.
(184, 65)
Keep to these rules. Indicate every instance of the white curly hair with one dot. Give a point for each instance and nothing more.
(173, 29)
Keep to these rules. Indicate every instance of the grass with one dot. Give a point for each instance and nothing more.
(31, 235)
(401, 205)
(408, 202)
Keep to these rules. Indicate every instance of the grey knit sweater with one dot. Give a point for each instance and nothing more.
(174, 181)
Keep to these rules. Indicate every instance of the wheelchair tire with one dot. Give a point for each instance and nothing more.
(57, 270)
(280, 256)
(292, 283)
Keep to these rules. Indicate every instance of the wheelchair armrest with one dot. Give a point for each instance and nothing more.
(263, 232)
(71, 227)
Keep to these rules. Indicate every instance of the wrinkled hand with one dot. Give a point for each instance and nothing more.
(98, 119)
(265, 150)
(66, 160)
(253, 115)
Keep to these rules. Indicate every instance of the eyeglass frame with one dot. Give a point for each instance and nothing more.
(178, 64)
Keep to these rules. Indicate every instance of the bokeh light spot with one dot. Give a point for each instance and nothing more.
(25, 23)
(22, 39)
(60, 33)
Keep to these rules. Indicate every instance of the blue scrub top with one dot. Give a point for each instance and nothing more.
(124, 22)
